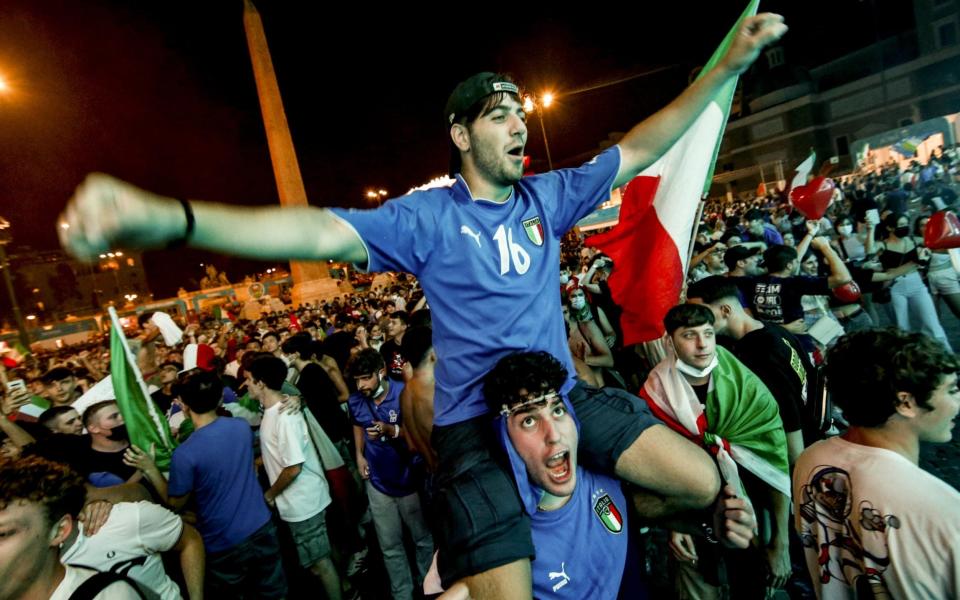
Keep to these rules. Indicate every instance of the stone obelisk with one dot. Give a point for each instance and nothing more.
(311, 280)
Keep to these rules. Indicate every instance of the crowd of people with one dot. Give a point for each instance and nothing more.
(479, 429)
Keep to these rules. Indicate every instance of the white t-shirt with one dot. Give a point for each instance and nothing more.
(75, 577)
(284, 442)
(869, 517)
(130, 542)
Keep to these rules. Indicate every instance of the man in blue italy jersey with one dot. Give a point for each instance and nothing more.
(486, 251)
(578, 516)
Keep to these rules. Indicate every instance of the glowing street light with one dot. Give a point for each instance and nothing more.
(532, 104)
(4, 86)
(377, 195)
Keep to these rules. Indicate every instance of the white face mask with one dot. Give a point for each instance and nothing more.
(845, 229)
(695, 372)
(578, 303)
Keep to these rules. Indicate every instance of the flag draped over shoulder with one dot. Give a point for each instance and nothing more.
(741, 422)
(649, 247)
(145, 424)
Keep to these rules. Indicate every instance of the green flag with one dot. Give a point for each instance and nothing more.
(145, 423)
(724, 97)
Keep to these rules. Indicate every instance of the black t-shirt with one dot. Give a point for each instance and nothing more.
(701, 391)
(390, 350)
(108, 462)
(778, 299)
(320, 394)
(162, 400)
(778, 359)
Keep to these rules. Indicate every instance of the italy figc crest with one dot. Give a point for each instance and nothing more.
(534, 230)
(608, 513)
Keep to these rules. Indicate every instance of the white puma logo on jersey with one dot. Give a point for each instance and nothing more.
(562, 573)
(474, 234)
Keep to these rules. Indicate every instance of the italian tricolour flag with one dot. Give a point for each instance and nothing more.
(145, 423)
(649, 247)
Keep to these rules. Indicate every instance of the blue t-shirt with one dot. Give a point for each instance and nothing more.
(582, 546)
(391, 463)
(216, 465)
(490, 270)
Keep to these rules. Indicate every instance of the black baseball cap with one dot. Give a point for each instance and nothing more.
(473, 90)
(56, 374)
(737, 253)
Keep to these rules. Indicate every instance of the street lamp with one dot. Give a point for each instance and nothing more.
(536, 105)
(6, 238)
(377, 195)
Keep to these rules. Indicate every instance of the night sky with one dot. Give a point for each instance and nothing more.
(162, 93)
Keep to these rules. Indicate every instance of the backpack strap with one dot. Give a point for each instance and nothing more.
(100, 581)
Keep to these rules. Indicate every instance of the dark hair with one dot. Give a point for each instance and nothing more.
(366, 362)
(400, 315)
(421, 318)
(811, 253)
(56, 374)
(269, 370)
(175, 364)
(485, 104)
(417, 342)
(93, 409)
(200, 390)
(866, 369)
(777, 257)
(532, 371)
(712, 289)
(477, 110)
(687, 315)
(338, 346)
(753, 214)
(890, 221)
(300, 344)
(270, 333)
(48, 416)
(56, 486)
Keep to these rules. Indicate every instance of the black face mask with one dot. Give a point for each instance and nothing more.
(901, 232)
(119, 434)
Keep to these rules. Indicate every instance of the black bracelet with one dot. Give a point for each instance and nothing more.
(188, 231)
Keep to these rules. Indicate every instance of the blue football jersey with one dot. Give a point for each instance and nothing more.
(582, 546)
(490, 270)
(391, 464)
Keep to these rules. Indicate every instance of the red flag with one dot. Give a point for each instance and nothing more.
(650, 243)
(295, 322)
(647, 275)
